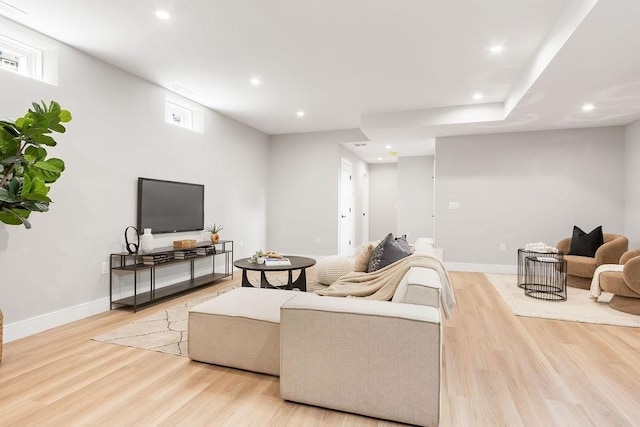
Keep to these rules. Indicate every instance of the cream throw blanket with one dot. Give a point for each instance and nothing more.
(595, 282)
(382, 284)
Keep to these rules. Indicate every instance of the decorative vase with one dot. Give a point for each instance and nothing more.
(146, 241)
(215, 238)
(260, 260)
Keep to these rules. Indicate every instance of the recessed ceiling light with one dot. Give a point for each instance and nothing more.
(255, 81)
(477, 96)
(496, 49)
(379, 158)
(587, 107)
(300, 113)
(162, 14)
(387, 146)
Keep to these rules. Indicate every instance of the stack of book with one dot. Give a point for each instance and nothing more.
(277, 262)
(156, 258)
(206, 250)
(189, 253)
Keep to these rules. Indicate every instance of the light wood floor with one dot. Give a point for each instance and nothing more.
(499, 370)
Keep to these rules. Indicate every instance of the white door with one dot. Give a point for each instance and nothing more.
(345, 219)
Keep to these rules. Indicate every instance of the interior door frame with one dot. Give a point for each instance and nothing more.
(349, 210)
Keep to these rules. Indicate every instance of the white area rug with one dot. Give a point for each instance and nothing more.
(578, 307)
(166, 331)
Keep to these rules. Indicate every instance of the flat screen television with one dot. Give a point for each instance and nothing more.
(169, 206)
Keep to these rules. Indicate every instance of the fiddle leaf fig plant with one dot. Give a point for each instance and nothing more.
(25, 170)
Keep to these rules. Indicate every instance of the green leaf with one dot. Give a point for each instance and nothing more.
(54, 107)
(48, 170)
(65, 116)
(44, 140)
(33, 153)
(6, 196)
(14, 187)
(15, 217)
(35, 197)
(37, 108)
(8, 147)
(10, 218)
(26, 186)
(35, 206)
(9, 131)
(57, 127)
(11, 160)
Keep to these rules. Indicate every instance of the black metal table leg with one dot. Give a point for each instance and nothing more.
(245, 280)
(301, 281)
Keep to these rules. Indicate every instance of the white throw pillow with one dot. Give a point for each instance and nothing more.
(331, 268)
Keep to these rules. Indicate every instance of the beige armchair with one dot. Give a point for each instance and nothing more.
(625, 284)
(580, 269)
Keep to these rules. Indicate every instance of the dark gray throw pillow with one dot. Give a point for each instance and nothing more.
(402, 241)
(376, 255)
(586, 244)
(387, 252)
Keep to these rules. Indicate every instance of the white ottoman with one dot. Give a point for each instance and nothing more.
(240, 329)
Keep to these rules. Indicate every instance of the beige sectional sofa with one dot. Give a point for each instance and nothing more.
(376, 358)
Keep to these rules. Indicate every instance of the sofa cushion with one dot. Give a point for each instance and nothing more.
(240, 329)
(586, 244)
(580, 266)
(361, 261)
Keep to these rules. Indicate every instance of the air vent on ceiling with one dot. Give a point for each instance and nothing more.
(360, 144)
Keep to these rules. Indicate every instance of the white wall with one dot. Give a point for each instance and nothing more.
(303, 193)
(383, 200)
(415, 196)
(632, 187)
(526, 187)
(117, 134)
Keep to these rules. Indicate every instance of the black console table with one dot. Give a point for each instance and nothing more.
(135, 263)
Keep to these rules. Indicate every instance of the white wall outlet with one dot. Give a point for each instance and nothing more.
(503, 247)
(105, 267)
(317, 240)
(454, 205)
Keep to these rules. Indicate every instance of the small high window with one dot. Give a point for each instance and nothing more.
(20, 58)
(178, 115)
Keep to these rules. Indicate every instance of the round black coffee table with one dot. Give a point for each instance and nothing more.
(297, 263)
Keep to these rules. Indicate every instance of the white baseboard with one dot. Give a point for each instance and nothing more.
(24, 328)
(481, 268)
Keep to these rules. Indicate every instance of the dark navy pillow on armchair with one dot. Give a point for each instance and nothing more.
(585, 244)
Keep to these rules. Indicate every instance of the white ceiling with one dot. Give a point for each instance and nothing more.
(403, 72)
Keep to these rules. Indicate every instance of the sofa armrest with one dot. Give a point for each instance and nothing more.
(628, 255)
(564, 245)
(375, 358)
(611, 251)
(420, 286)
(631, 273)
